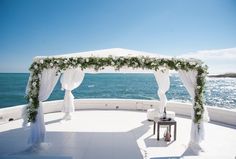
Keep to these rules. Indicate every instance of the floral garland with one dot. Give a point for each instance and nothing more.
(98, 63)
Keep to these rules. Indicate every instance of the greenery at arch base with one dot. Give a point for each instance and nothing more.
(99, 63)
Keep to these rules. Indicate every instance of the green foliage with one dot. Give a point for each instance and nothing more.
(99, 63)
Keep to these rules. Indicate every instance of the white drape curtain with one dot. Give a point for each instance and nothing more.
(163, 81)
(48, 81)
(28, 84)
(70, 80)
(189, 80)
(24, 111)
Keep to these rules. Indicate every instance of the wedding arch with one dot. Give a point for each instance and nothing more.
(45, 72)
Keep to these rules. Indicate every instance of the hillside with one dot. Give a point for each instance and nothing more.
(230, 75)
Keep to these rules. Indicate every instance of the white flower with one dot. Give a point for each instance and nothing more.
(73, 63)
(198, 106)
(35, 77)
(31, 100)
(34, 84)
(36, 67)
(143, 60)
(70, 67)
(198, 87)
(65, 61)
(112, 63)
(87, 60)
(39, 75)
(51, 64)
(79, 65)
(41, 61)
(192, 63)
(199, 113)
(74, 58)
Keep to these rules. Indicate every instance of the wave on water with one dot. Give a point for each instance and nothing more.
(91, 86)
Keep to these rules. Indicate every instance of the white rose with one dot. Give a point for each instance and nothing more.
(41, 61)
(70, 67)
(143, 60)
(31, 100)
(51, 64)
(65, 61)
(112, 63)
(87, 60)
(199, 113)
(36, 67)
(34, 84)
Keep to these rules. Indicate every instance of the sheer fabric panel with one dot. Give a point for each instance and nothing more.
(163, 81)
(71, 79)
(47, 83)
(197, 135)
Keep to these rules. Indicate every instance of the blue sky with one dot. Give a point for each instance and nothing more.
(47, 27)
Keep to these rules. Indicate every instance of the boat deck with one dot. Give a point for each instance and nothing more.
(112, 134)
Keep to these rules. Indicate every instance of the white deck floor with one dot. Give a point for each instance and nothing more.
(112, 135)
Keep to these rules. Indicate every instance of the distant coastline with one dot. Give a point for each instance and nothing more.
(226, 75)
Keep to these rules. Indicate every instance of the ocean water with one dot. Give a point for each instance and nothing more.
(220, 92)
